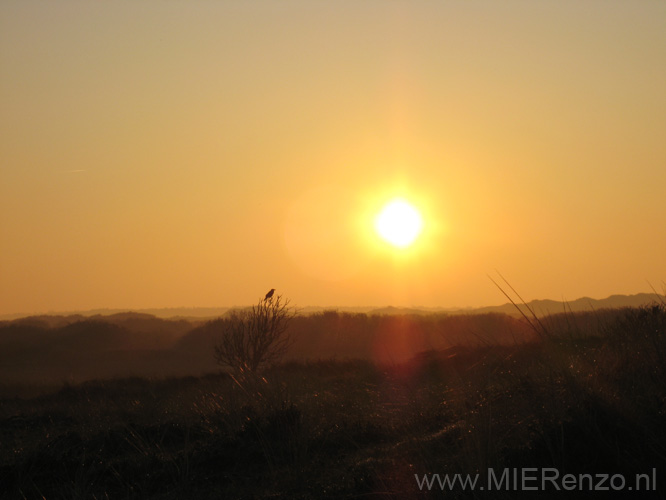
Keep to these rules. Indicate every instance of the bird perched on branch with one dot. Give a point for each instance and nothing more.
(269, 294)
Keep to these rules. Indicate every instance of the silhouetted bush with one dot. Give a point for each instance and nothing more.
(254, 337)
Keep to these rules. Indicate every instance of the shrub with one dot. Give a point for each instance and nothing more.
(254, 337)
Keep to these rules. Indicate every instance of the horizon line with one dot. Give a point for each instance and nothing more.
(359, 308)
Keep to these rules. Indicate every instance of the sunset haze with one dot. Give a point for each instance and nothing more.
(167, 154)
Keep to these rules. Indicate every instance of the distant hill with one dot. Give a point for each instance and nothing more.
(185, 313)
(52, 348)
(198, 314)
(540, 307)
(544, 307)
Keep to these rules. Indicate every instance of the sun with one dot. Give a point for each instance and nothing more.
(399, 223)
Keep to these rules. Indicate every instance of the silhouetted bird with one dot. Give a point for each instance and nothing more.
(269, 294)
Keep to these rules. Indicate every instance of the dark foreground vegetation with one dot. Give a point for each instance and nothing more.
(582, 393)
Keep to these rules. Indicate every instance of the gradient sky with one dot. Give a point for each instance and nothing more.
(171, 153)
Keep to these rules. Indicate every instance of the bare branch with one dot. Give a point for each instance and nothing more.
(255, 337)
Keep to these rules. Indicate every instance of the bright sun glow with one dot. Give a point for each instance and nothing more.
(399, 223)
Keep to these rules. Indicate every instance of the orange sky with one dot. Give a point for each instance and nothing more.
(165, 154)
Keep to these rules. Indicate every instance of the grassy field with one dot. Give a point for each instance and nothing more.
(586, 396)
